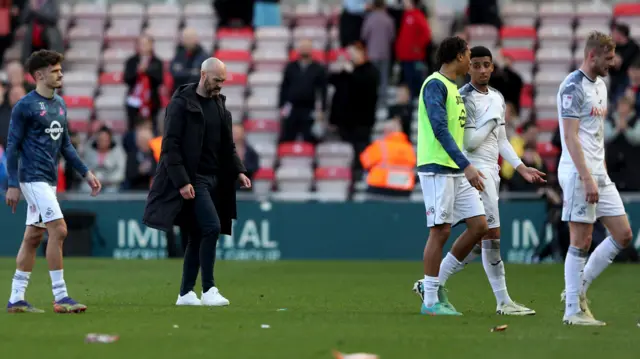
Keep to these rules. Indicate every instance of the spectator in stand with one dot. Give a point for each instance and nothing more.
(41, 17)
(390, 162)
(11, 21)
(106, 159)
(506, 80)
(246, 152)
(143, 74)
(378, 34)
(185, 67)
(622, 139)
(526, 147)
(411, 45)
(234, 13)
(360, 113)
(141, 164)
(351, 20)
(6, 104)
(129, 142)
(630, 86)
(484, 12)
(627, 50)
(16, 77)
(303, 82)
(402, 110)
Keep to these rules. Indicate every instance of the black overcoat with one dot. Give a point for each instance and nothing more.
(179, 158)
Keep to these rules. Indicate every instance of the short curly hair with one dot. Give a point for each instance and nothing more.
(41, 59)
(449, 49)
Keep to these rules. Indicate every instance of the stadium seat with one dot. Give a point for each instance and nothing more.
(164, 36)
(263, 105)
(296, 154)
(79, 83)
(317, 55)
(333, 183)
(334, 154)
(557, 13)
(267, 153)
(127, 15)
(79, 108)
(522, 37)
(546, 149)
(235, 39)
(519, 13)
(310, 15)
(206, 36)
(317, 35)
(546, 106)
(111, 84)
(118, 126)
(124, 37)
(582, 31)
(294, 178)
(628, 13)
(261, 131)
(237, 61)
(113, 59)
(522, 61)
(595, 14)
(265, 59)
(164, 15)
(86, 38)
(555, 36)
(79, 59)
(547, 82)
(263, 181)
(89, 14)
(273, 37)
(547, 125)
(483, 35)
(109, 107)
(235, 103)
(554, 59)
(260, 81)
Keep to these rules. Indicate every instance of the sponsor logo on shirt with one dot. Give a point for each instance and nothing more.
(598, 111)
(55, 130)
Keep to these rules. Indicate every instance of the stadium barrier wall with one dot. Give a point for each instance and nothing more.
(286, 230)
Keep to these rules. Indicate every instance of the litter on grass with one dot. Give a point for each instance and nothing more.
(281, 310)
(100, 338)
(265, 326)
(338, 355)
(499, 328)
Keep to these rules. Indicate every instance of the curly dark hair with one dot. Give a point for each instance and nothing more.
(449, 49)
(41, 59)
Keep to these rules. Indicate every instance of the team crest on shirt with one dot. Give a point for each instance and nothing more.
(567, 100)
(32, 208)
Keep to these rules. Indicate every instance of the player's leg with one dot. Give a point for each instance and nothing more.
(25, 262)
(611, 212)
(581, 216)
(438, 201)
(190, 266)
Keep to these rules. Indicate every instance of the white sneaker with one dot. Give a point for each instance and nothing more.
(188, 299)
(581, 318)
(584, 303)
(513, 308)
(213, 298)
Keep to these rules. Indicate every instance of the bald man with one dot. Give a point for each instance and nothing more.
(194, 185)
(185, 67)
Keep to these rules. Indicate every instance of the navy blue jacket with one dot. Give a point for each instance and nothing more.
(38, 135)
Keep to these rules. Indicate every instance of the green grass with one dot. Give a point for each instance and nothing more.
(350, 306)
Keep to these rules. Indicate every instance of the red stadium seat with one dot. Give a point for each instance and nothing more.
(547, 124)
(296, 149)
(317, 55)
(111, 78)
(263, 181)
(262, 131)
(233, 55)
(546, 149)
(518, 32)
(242, 33)
(626, 9)
(264, 174)
(78, 101)
(333, 173)
(519, 54)
(335, 53)
(81, 126)
(236, 79)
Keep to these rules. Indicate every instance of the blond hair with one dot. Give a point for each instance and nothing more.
(598, 42)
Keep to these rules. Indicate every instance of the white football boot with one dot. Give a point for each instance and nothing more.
(584, 303)
(515, 309)
(418, 288)
(213, 298)
(188, 299)
(581, 318)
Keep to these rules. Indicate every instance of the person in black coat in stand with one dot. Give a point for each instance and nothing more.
(195, 182)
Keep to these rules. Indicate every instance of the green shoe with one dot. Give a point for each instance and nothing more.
(444, 298)
(438, 309)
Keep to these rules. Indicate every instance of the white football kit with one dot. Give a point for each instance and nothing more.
(585, 100)
(42, 203)
(485, 138)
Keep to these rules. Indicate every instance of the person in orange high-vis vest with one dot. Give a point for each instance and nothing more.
(156, 146)
(390, 162)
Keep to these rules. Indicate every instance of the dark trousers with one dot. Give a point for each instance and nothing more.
(202, 236)
(359, 138)
(299, 122)
(413, 76)
(133, 114)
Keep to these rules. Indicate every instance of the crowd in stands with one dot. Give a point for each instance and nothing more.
(365, 95)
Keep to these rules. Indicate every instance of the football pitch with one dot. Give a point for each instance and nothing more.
(312, 308)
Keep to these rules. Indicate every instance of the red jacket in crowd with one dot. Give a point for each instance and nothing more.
(413, 37)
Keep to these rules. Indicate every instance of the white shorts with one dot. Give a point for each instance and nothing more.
(575, 207)
(449, 199)
(490, 196)
(42, 203)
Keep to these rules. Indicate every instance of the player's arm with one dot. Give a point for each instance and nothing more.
(17, 128)
(475, 133)
(532, 175)
(71, 155)
(171, 144)
(435, 97)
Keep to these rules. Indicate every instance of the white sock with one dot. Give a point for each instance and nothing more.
(58, 285)
(475, 253)
(494, 267)
(448, 267)
(573, 267)
(19, 285)
(431, 285)
(602, 256)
